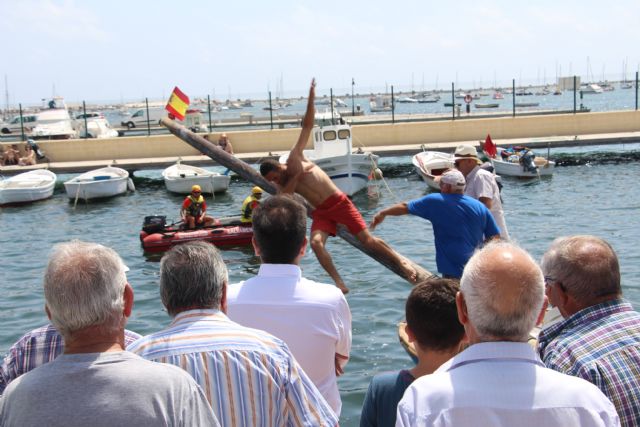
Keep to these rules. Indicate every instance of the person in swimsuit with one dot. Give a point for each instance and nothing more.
(331, 206)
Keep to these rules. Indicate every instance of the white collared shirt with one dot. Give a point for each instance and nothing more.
(503, 384)
(312, 318)
(482, 183)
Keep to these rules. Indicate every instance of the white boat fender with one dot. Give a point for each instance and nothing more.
(375, 174)
(130, 185)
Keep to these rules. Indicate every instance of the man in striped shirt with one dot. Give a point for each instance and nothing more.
(599, 338)
(249, 377)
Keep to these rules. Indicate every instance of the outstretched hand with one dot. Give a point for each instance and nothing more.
(377, 219)
(309, 116)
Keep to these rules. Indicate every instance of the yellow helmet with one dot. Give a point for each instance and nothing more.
(196, 188)
(256, 190)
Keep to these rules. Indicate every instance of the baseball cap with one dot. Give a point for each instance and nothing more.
(454, 178)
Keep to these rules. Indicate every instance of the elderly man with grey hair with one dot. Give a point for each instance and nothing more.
(499, 380)
(599, 338)
(95, 382)
(249, 376)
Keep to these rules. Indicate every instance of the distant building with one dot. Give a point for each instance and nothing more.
(566, 83)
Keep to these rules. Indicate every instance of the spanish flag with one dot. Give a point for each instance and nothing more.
(178, 104)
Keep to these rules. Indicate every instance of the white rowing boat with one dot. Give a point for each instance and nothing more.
(521, 163)
(179, 178)
(27, 187)
(430, 164)
(99, 183)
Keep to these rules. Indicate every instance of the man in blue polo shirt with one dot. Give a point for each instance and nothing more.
(460, 224)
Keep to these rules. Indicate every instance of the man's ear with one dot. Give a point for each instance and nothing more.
(128, 300)
(410, 335)
(46, 309)
(223, 299)
(545, 304)
(461, 306)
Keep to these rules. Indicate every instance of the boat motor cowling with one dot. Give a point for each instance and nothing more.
(154, 223)
(526, 160)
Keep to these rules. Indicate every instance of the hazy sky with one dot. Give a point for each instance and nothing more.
(112, 50)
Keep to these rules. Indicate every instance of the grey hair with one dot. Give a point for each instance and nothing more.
(587, 267)
(192, 275)
(84, 286)
(503, 288)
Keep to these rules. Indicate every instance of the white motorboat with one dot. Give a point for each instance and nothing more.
(430, 164)
(179, 178)
(27, 187)
(333, 153)
(380, 104)
(54, 122)
(520, 162)
(591, 88)
(99, 183)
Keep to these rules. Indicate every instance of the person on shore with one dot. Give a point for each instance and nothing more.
(481, 184)
(599, 338)
(499, 380)
(11, 156)
(331, 206)
(249, 376)
(35, 348)
(29, 158)
(437, 336)
(225, 144)
(460, 224)
(96, 382)
(194, 209)
(285, 304)
(250, 204)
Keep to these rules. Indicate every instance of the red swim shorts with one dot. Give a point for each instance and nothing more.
(337, 209)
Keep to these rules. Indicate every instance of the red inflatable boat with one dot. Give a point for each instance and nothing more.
(156, 236)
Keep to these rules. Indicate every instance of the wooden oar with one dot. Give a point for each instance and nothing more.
(247, 172)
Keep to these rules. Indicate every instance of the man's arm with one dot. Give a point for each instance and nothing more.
(487, 201)
(395, 210)
(294, 162)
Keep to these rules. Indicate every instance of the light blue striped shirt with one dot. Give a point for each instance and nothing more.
(249, 376)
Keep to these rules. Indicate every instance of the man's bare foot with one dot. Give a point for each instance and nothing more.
(410, 273)
(343, 288)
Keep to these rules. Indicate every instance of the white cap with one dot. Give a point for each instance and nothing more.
(454, 178)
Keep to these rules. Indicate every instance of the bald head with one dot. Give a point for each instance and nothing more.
(503, 288)
(587, 267)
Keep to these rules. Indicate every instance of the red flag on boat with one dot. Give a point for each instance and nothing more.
(178, 104)
(490, 147)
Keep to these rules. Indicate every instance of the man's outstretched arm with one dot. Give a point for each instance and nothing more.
(297, 152)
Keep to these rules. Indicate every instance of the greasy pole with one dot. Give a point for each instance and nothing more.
(247, 172)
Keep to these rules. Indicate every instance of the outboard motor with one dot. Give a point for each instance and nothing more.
(526, 160)
(154, 223)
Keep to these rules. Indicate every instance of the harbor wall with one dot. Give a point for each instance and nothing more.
(369, 135)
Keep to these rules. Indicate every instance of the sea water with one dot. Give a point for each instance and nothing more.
(597, 197)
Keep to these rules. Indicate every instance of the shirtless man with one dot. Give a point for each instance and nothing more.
(331, 206)
(224, 143)
(29, 157)
(11, 156)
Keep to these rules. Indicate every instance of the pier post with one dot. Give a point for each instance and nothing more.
(575, 92)
(353, 105)
(250, 174)
(453, 101)
(513, 95)
(331, 99)
(209, 111)
(86, 129)
(22, 122)
(146, 103)
(270, 111)
(393, 107)
(636, 91)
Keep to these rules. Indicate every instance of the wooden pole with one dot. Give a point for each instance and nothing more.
(247, 172)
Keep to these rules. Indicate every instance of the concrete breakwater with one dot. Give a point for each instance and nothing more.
(156, 151)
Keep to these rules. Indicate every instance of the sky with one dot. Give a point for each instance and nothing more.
(114, 51)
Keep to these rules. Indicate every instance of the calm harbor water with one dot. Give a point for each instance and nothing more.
(599, 197)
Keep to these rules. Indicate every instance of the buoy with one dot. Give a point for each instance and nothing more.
(377, 173)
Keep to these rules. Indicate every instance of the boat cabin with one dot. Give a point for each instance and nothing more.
(332, 141)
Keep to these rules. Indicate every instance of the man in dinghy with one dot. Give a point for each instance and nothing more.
(331, 206)
(194, 210)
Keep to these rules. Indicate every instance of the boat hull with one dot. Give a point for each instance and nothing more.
(98, 184)
(350, 173)
(233, 234)
(506, 168)
(180, 178)
(27, 187)
(430, 164)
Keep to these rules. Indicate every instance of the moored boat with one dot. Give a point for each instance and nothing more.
(179, 178)
(157, 236)
(27, 187)
(99, 183)
(520, 162)
(430, 164)
(489, 105)
(333, 153)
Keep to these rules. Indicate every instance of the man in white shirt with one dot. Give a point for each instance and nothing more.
(481, 184)
(499, 380)
(312, 318)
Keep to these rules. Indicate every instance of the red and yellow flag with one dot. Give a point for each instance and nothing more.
(178, 104)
